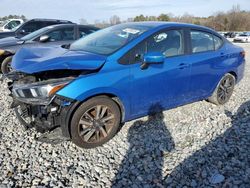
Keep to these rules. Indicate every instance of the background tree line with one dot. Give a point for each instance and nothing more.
(13, 17)
(232, 20)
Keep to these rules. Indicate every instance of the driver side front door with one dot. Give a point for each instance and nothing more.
(160, 86)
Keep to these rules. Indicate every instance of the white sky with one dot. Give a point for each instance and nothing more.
(92, 10)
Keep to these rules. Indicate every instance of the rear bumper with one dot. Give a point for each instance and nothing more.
(240, 71)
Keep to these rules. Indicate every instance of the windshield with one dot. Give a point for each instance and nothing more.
(107, 41)
(35, 33)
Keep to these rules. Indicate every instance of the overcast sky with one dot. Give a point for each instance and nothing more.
(92, 10)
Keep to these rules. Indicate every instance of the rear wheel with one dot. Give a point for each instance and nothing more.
(95, 122)
(224, 90)
(6, 65)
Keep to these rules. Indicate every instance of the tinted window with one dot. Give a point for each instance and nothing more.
(201, 41)
(62, 34)
(35, 34)
(12, 24)
(85, 31)
(49, 23)
(217, 42)
(32, 26)
(169, 43)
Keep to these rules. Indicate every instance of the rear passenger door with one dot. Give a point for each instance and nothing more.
(205, 56)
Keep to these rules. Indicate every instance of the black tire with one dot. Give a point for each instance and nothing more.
(224, 90)
(5, 67)
(99, 114)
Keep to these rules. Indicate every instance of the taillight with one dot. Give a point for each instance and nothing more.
(243, 54)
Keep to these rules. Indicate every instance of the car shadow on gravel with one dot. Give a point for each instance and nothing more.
(223, 162)
(142, 164)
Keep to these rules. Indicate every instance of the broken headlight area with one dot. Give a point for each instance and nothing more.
(37, 106)
(43, 118)
(38, 93)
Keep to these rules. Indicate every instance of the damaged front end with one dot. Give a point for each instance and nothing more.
(38, 74)
(37, 105)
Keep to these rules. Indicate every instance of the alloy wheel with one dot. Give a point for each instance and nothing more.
(96, 124)
(225, 89)
(9, 68)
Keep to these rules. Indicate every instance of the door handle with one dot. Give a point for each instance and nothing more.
(183, 66)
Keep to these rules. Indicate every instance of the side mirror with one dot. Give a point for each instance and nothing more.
(44, 38)
(152, 58)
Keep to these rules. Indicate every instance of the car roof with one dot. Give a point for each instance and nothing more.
(155, 24)
(50, 20)
(59, 25)
(69, 24)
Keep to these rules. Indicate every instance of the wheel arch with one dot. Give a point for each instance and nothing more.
(6, 54)
(220, 77)
(68, 113)
(234, 74)
(114, 97)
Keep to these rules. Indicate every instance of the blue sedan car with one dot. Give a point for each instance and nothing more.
(86, 91)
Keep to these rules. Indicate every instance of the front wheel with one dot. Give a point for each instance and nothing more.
(95, 122)
(6, 65)
(224, 90)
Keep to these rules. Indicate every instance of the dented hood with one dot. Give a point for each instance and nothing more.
(34, 60)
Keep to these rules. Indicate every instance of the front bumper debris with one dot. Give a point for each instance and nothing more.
(51, 120)
(53, 137)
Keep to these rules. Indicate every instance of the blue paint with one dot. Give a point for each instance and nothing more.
(175, 81)
(33, 60)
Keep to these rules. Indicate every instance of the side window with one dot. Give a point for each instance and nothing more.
(8, 26)
(31, 26)
(39, 25)
(135, 55)
(49, 23)
(62, 34)
(217, 42)
(85, 31)
(201, 41)
(55, 36)
(68, 33)
(169, 43)
(17, 22)
(12, 24)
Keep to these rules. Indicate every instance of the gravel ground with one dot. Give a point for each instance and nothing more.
(197, 145)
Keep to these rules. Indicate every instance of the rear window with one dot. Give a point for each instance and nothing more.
(204, 42)
(217, 42)
(201, 41)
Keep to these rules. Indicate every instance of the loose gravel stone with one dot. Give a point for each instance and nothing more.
(196, 145)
